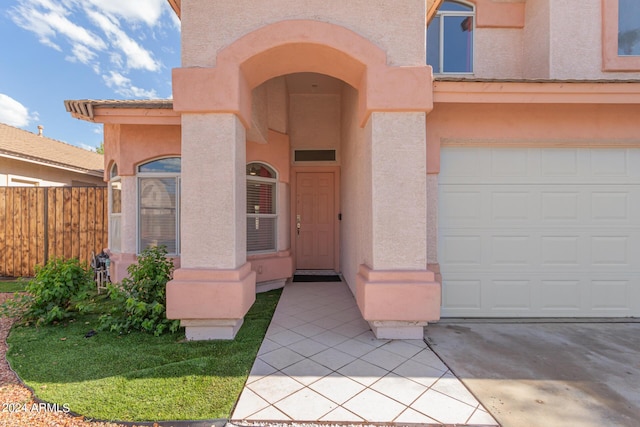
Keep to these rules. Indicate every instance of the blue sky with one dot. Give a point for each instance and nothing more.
(54, 50)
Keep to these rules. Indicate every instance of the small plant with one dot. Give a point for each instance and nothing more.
(55, 293)
(141, 298)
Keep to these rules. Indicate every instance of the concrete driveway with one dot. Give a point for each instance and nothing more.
(547, 374)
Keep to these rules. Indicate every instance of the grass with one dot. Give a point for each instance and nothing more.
(138, 377)
(12, 285)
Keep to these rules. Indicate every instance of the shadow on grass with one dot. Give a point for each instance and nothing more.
(138, 376)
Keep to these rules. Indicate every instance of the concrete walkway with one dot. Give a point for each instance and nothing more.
(547, 374)
(320, 362)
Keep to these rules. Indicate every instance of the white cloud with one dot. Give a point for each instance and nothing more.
(123, 86)
(13, 112)
(137, 56)
(147, 11)
(52, 21)
(111, 37)
(83, 54)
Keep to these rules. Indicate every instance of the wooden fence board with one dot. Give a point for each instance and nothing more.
(3, 230)
(9, 234)
(41, 220)
(38, 224)
(82, 223)
(67, 249)
(59, 224)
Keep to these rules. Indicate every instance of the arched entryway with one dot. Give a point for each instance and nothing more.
(382, 177)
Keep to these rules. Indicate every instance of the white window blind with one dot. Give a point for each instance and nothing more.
(158, 221)
(115, 213)
(261, 213)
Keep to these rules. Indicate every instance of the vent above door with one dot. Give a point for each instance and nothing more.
(314, 155)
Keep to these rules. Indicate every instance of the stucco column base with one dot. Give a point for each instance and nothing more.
(201, 330)
(398, 303)
(119, 264)
(211, 304)
(393, 330)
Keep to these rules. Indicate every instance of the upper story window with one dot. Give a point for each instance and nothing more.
(159, 204)
(262, 215)
(629, 28)
(450, 38)
(621, 35)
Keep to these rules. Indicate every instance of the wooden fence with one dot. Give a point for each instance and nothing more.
(42, 223)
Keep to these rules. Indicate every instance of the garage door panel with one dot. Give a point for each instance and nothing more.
(511, 295)
(511, 250)
(543, 166)
(562, 296)
(462, 249)
(562, 241)
(491, 295)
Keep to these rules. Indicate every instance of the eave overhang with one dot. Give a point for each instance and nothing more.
(175, 5)
(535, 92)
(147, 112)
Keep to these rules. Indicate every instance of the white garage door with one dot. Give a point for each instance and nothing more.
(539, 232)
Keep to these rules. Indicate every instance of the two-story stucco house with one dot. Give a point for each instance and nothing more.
(475, 158)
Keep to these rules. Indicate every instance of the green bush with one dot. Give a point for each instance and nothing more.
(55, 293)
(141, 298)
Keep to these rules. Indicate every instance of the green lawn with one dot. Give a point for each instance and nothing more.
(138, 377)
(12, 285)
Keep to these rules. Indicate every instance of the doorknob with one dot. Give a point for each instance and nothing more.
(298, 224)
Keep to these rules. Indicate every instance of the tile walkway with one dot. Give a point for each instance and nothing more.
(321, 362)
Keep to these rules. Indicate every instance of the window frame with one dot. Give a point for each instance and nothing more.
(146, 175)
(440, 16)
(274, 203)
(114, 178)
(611, 60)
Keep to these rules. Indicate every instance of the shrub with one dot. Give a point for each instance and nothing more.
(141, 297)
(55, 293)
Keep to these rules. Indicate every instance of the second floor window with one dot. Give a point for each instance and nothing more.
(450, 39)
(629, 28)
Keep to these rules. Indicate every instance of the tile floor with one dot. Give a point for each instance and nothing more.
(321, 362)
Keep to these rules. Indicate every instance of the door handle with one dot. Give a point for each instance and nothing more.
(298, 224)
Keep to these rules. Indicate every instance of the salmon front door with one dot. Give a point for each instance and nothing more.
(315, 221)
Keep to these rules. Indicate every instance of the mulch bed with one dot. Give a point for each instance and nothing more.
(19, 408)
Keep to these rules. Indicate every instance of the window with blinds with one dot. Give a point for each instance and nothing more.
(158, 205)
(115, 213)
(261, 208)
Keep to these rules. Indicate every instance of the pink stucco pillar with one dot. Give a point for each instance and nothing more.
(396, 293)
(215, 287)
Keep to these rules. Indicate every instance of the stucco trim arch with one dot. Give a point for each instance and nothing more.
(293, 46)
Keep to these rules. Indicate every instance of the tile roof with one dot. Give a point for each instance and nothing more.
(18, 143)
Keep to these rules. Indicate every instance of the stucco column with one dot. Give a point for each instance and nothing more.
(395, 292)
(215, 287)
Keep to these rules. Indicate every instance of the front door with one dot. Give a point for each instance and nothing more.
(315, 221)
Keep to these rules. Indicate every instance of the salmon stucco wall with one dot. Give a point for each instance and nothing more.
(355, 229)
(315, 121)
(131, 145)
(209, 26)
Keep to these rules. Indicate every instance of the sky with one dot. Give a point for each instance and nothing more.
(53, 50)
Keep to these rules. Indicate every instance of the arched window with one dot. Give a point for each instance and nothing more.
(115, 209)
(450, 38)
(159, 204)
(261, 208)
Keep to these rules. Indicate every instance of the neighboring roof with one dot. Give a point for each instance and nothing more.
(151, 109)
(23, 145)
